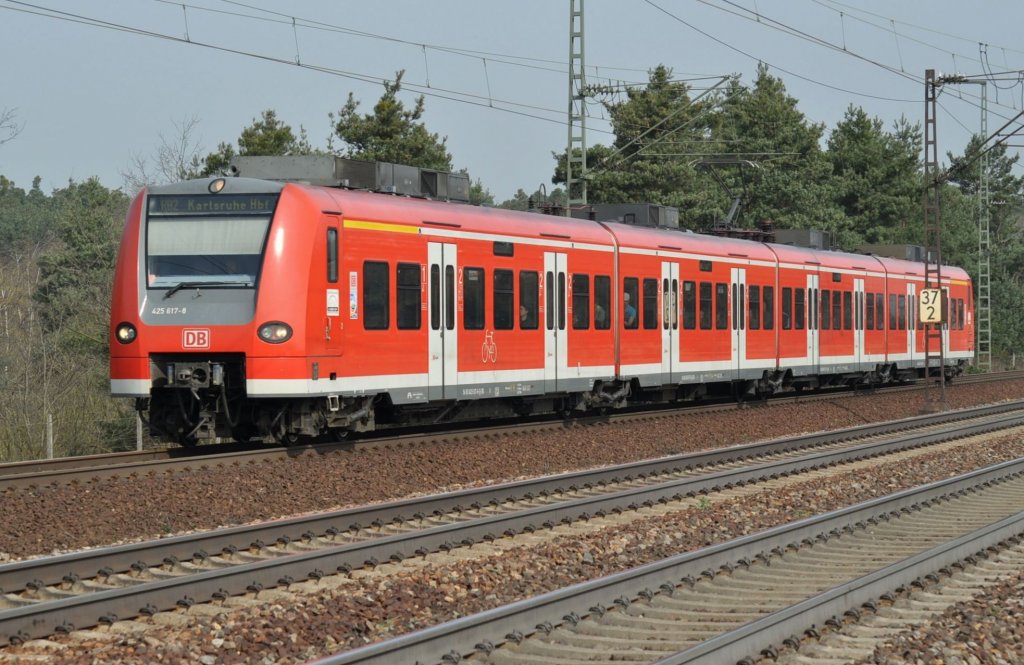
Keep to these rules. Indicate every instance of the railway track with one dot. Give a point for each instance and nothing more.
(730, 602)
(856, 635)
(65, 592)
(37, 473)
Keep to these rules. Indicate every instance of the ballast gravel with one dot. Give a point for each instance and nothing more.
(302, 624)
(988, 629)
(62, 518)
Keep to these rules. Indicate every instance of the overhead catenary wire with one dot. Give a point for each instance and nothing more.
(761, 19)
(800, 34)
(483, 101)
(1014, 76)
(851, 9)
(450, 95)
(773, 66)
(315, 24)
(744, 13)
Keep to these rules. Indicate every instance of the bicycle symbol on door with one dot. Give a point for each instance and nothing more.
(489, 349)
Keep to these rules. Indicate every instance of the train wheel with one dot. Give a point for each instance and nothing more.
(285, 438)
(288, 439)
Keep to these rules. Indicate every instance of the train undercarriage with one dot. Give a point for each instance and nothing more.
(195, 401)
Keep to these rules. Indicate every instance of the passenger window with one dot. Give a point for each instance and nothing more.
(561, 300)
(630, 302)
(528, 281)
(504, 300)
(754, 307)
(787, 308)
(903, 312)
(667, 299)
(332, 255)
(580, 301)
(798, 308)
(409, 298)
(826, 309)
(549, 301)
(813, 321)
(375, 295)
(892, 311)
(690, 305)
(435, 297)
(879, 311)
(449, 298)
(675, 304)
(740, 308)
(768, 307)
(705, 305)
(650, 304)
(960, 312)
(602, 302)
(837, 311)
(847, 310)
(473, 299)
(870, 311)
(721, 306)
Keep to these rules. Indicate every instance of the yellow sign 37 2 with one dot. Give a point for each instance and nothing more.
(930, 309)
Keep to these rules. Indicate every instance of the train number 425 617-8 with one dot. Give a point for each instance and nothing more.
(168, 310)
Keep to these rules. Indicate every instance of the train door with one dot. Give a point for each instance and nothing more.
(813, 352)
(739, 318)
(949, 305)
(670, 351)
(332, 314)
(556, 337)
(858, 321)
(443, 368)
(911, 317)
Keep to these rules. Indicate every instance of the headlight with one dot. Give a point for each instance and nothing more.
(275, 332)
(125, 333)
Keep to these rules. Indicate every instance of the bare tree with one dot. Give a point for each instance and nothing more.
(9, 127)
(178, 157)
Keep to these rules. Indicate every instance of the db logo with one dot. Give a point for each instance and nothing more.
(195, 338)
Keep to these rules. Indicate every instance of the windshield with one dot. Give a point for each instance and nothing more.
(224, 250)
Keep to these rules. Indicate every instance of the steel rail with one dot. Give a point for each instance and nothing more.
(53, 570)
(486, 630)
(773, 629)
(44, 618)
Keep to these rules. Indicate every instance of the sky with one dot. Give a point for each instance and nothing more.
(95, 87)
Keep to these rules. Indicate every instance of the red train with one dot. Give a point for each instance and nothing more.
(248, 307)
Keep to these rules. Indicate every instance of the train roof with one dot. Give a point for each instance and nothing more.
(826, 258)
(479, 219)
(629, 235)
(904, 267)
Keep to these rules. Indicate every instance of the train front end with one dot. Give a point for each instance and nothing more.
(183, 314)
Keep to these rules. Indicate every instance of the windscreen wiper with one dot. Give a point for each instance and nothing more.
(189, 285)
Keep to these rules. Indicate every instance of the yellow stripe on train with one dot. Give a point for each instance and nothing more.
(380, 226)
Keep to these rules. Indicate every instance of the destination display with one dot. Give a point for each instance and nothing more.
(212, 204)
